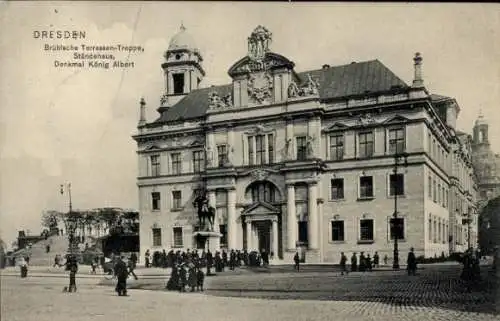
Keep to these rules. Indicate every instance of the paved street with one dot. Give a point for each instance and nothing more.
(432, 295)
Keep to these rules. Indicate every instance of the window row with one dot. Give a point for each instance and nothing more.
(438, 230)
(178, 236)
(437, 152)
(437, 190)
(366, 230)
(175, 163)
(396, 186)
(176, 200)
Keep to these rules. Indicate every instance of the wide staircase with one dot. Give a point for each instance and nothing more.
(38, 252)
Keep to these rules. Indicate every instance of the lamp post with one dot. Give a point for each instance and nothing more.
(395, 226)
(71, 221)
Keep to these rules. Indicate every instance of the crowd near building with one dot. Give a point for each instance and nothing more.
(304, 161)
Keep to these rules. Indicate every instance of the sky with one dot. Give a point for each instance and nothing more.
(60, 125)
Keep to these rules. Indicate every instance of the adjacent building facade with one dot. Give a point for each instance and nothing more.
(303, 161)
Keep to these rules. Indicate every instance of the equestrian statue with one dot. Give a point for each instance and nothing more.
(205, 212)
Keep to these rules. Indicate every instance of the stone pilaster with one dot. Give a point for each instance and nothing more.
(313, 217)
(291, 218)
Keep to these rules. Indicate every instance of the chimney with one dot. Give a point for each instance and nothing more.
(417, 79)
(142, 116)
(326, 66)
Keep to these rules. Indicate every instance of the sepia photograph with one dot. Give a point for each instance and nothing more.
(249, 161)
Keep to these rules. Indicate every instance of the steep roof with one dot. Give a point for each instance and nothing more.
(361, 78)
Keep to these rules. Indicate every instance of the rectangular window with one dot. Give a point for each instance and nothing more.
(365, 144)
(157, 237)
(366, 187)
(250, 151)
(222, 155)
(337, 189)
(337, 231)
(260, 150)
(198, 160)
(270, 146)
(434, 192)
(301, 148)
(429, 143)
(397, 184)
(337, 147)
(397, 228)
(430, 187)
(396, 141)
(155, 165)
(366, 230)
(176, 200)
(430, 230)
(155, 201)
(178, 242)
(176, 163)
(178, 83)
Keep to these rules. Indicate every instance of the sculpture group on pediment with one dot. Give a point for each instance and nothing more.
(163, 99)
(310, 88)
(259, 42)
(366, 119)
(215, 101)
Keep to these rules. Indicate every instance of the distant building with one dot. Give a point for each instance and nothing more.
(302, 160)
(487, 168)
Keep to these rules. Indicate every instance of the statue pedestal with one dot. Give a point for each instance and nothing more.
(212, 240)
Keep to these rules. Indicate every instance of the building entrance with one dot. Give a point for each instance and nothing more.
(264, 235)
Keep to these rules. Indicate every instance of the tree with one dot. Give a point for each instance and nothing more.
(51, 219)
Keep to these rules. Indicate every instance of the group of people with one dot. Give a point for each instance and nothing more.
(367, 263)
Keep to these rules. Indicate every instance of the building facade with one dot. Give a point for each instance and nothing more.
(302, 161)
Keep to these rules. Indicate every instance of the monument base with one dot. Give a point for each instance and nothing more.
(212, 240)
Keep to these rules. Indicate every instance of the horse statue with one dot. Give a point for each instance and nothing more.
(205, 212)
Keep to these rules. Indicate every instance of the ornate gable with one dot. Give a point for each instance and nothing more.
(261, 208)
(398, 119)
(336, 127)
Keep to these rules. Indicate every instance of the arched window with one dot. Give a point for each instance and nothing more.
(263, 192)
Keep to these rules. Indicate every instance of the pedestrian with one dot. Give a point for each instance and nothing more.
(343, 264)
(72, 266)
(192, 278)
(121, 273)
(386, 259)
(368, 263)
(354, 262)
(132, 265)
(362, 262)
(47, 248)
(376, 260)
(296, 260)
(200, 278)
(147, 258)
(93, 265)
(210, 261)
(182, 278)
(411, 263)
(23, 266)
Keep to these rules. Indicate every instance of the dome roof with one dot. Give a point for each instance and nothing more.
(182, 40)
(481, 120)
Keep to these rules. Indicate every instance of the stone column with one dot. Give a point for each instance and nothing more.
(291, 218)
(211, 202)
(266, 148)
(289, 137)
(230, 143)
(254, 155)
(231, 219)
(248, 225)
(313, 217)
(275, 237)
(211, 152)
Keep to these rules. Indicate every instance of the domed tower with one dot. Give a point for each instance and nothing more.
(481, 131)
(182, 68)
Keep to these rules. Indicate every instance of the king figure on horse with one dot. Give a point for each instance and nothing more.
(205, 211)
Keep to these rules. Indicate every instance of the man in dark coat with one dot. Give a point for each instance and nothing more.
(296, 260)
(343, 264)
(362, 262)
(72, 266)
(354, 262)
(210, 261)
(182, 278)
(232, 260)
(411, 263)
(376, 260)
(192, 278)
(121, 273)
(200, 278)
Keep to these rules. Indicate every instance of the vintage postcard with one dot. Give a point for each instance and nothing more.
(249, 161)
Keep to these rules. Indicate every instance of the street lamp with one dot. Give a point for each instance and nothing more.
(71, 221)
(395, 226)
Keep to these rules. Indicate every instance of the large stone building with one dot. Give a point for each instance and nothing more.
(302, 160)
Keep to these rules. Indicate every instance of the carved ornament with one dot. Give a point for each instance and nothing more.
(259, 174)
(260, 87)
(163, 99)
(366, 119)
(309, 88)
(259, 43)
(217, 102)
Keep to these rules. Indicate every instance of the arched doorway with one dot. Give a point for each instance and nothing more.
(262, 219)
